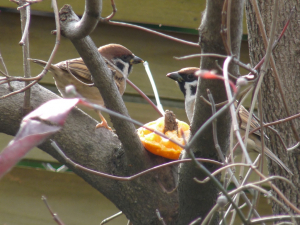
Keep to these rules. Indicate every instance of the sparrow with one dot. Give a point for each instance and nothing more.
(188, 81)
(74, 72)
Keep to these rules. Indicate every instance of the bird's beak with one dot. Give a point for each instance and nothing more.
(136, 60)
(175, 76)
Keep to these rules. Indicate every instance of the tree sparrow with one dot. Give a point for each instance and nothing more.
(188, 81)
(73, 71)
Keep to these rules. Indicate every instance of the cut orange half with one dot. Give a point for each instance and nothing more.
(158, 145)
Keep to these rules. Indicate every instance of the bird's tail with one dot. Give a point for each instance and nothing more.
(272, 156)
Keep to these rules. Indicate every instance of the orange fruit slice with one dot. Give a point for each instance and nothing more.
(158, 145)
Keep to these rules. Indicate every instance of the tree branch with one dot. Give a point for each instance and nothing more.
(99, 150)
(103, 81)
(81, 28)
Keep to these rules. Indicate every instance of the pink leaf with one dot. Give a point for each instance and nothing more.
(35, 128)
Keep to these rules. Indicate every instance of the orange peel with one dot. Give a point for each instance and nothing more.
(161, 146)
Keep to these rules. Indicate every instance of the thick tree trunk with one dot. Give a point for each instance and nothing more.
(100, 150)
(286, 56)
(196, 200)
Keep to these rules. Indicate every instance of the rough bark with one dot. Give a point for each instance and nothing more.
(104, 151)
(196, 200)
(286, 56)
(100, 150)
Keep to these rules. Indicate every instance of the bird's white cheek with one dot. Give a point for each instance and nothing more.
(126, 69)
(190, 98)
(188, 88)
(125, 66)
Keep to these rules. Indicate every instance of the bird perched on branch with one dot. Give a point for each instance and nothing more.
(73, 71)
(188, 81)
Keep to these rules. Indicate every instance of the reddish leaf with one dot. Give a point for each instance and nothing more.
(211, 75)
(35, 128)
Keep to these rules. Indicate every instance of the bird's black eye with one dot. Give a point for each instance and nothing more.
(190, 76)
(124, 58)
(120, 66)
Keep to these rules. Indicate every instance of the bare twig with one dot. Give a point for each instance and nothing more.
(29, 2)
(114, 10)
(232, 110)
(58, 36)
(161, 220)
(267, 179)
(6, 72)
(237, 197)
(217, 146)
(20, 90)
(235, 60)
(216, 182)
(200, 130)
(69, 161)
(262, 138)
(144, 96)
(284, 28)
(78, 29)
(200, 55)
(191, 154)
(155, 32)
(225, 168)
(224, 30)
(196, 221)
(254, 201)
(25, 21)
(54, 215)
(278, 39)
(269, 126)
(214, 123)
(280, 194)
(228, 20)
(4, 66)
(111, 218)
(253, 186)
(98, 107)
(255, 197)
(216, 105)
(164, 189)
(273, 218)
(9, 79)
(276, 132)
(209, 121)
(207, 217)
(272, 61)
(221, 69)
(40, 76)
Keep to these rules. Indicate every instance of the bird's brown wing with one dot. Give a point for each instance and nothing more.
(78, 69)
(243, 116)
